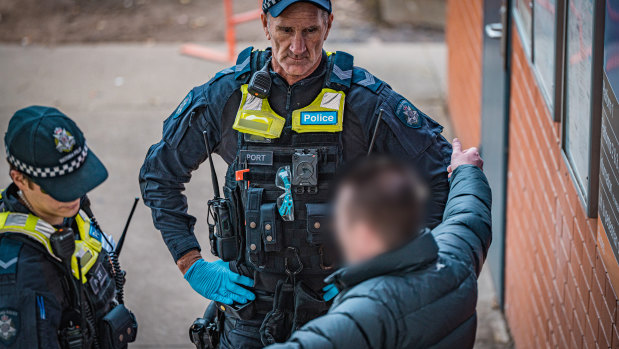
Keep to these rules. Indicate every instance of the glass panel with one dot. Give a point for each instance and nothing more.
(580, 23)
(611, 44)
(544, 46)
(523, 20)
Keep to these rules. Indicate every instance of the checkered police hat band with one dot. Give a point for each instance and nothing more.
(72, 162)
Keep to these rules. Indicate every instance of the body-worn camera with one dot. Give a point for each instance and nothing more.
(305, 167)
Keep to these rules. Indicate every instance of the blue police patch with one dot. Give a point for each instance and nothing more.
(94, 233)
(319, 118)
(408, 114)
(184, 105)
(9, 326)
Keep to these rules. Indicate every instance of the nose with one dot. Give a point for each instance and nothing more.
(297, 47)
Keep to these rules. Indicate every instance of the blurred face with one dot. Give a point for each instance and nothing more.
(297, 36)
(357, 239)
(43, 205)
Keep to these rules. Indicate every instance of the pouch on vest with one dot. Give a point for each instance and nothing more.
(119, 328)
(317, 222)
(324, 114)
(252, 228)
(277, 324)
(223, 233)
(308, 305)
(255, 117)
(271, 228)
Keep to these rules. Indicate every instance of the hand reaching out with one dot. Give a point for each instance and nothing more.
(467, 157)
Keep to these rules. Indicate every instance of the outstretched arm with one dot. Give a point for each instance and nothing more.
(466, 231)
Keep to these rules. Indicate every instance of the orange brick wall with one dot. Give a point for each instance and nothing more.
(465, 44)
(557, 291)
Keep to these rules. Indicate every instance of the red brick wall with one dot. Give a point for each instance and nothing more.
(557, 290)
(465, 44)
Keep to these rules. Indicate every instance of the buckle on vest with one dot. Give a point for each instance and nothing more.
(287, 264)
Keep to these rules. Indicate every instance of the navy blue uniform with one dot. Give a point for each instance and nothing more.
(37, 297)
(404, 132)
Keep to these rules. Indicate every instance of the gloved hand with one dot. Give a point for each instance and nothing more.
(217, 282)
(330, 292)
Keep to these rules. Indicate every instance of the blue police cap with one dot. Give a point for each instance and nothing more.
(48, 147)
(276, 7)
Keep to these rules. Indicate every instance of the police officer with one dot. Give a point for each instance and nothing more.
(284, 119)
(48, 244)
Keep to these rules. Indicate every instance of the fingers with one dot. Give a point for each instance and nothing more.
(241, 280)
(221, 299)
(330, 292)
(456, 145)
(240, 291)
(238, 299)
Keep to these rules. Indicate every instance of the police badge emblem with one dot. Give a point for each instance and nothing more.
(184, 104)
(64, 140)
(9, 326)
(408, 114)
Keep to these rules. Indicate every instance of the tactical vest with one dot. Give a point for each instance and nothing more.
(280, 179)
(96, 272)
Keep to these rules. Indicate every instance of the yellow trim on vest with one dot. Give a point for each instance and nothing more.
(256, 117)
(86, 247)
(324, 114)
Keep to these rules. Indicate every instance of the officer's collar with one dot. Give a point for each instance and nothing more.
(413, 256)
(11, 202)
(318, 73)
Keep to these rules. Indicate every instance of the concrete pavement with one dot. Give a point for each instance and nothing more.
(120, 95)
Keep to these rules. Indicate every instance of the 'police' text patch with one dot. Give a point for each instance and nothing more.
(319, 118)
(262, 158)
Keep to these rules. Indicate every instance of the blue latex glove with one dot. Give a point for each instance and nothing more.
(330, 292)
(217, 282)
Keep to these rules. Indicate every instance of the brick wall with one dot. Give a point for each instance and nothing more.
(465, 44)
(557, 290)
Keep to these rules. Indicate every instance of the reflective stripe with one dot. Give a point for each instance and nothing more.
(29, 225)
(87, 247)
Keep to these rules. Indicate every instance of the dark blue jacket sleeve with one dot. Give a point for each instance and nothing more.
(406, 133)
(466, 231)
(169, 164)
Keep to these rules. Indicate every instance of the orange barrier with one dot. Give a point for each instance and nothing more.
(232, 20)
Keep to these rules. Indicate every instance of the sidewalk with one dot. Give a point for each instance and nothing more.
(120, 95)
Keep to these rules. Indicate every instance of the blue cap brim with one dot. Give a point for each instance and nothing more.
(75, 184)
(278, 8)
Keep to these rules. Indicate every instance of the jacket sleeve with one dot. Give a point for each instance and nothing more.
(407, 133)
(168, 167)
(357, 322)
(466, 231)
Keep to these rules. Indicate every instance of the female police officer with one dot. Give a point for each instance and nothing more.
(284, 119)
(47, 244)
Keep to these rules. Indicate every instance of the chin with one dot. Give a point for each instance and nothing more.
(298, 69)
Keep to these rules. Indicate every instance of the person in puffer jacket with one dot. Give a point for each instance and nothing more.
(405, 287)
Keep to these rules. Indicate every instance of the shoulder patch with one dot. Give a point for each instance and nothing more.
(184, 105)
(409, 114)
(9, 326)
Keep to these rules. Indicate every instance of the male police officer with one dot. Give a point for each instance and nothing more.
(284, 119)
(47, 244)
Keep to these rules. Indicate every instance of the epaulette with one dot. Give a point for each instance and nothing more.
(340, 70)
(362, 77)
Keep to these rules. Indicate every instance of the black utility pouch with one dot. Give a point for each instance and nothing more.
(119, 328)
(223, 235)
(271, 228)
(318, 216)
(308, 305)
(253, 230)
(276, 327)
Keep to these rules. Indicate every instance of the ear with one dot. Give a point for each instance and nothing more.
(329, 24)
(19, 180)
(265, 25)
